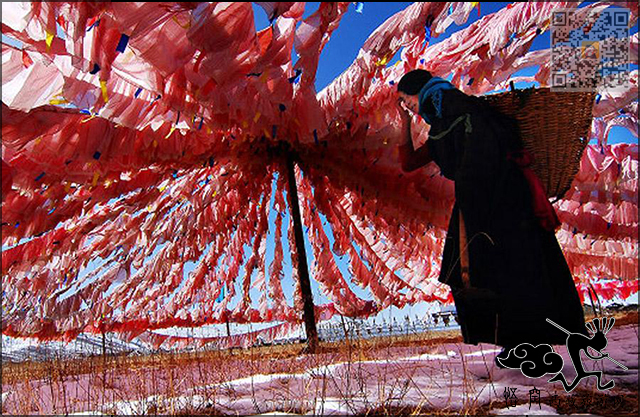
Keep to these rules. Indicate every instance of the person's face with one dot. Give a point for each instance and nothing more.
(408, 102)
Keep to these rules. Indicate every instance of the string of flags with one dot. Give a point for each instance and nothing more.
(93, 167)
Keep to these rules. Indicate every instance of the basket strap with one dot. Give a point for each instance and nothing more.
(464, 255)
(468, 128)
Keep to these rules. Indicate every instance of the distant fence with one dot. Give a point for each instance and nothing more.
(333, 332)
(92, 345)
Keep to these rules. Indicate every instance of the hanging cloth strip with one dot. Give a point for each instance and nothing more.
(7, 179)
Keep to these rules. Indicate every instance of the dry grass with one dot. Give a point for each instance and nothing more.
(579, 402)
(626, 317)
(33, 370)
(170, 375)
(592, 402)
(421, 411)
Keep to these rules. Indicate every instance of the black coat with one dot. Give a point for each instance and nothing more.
(509, 252)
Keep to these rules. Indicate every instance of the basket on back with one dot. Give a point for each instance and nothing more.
(554, 128)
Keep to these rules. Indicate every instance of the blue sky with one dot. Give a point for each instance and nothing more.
(355, 28)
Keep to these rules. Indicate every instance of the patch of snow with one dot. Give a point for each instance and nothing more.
(254, 379)
(325, 369)
(144, 406)
(482, 352)
(133, 407)
(340, 406)
(451, 376)
(429, 356)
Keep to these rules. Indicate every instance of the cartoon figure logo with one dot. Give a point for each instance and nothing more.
(537, 361)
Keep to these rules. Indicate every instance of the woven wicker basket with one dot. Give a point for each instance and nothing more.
(554, 128)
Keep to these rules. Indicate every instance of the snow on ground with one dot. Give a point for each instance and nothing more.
(452, 377)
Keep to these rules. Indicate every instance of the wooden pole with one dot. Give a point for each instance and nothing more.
(303, 270)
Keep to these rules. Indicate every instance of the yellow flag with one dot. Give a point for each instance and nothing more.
(383, 61)
(58, 101)
(173, 128)
(103, 87)
(49, 40)
(88, 118)
(96, 176)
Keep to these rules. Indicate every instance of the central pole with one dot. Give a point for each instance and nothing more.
(303, 270)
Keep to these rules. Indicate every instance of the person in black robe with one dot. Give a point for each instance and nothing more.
(516, 270)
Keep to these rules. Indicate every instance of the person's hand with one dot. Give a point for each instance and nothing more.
(405, 114)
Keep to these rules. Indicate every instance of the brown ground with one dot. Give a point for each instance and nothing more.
(620, 403)
(12, 372)
(18, 372)
(580, 402)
